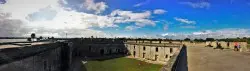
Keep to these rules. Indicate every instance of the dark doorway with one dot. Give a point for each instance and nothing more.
(90, 48)
(166, 56)
(156, 57)
(102, 51)
(156, 49)
(110, 51)
(171, 50)
(144, 48)
(119, 51)
(143, 55)
(134, 53)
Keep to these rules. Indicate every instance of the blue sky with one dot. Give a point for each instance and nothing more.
(131, 18)
(217, 15)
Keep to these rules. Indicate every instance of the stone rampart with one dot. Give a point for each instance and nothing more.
(44, 57)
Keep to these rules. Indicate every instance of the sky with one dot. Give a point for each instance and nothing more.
(176, 19)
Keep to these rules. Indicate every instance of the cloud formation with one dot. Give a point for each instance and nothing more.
(197, 4)
(130, 28)
(188, 27)
(185, 21)
(165, 27)
(48, 32)
(96, 7)
(142, 3)
(11, 27)
(159, 11)
(140, 19)
(221, 33)
(63, 15)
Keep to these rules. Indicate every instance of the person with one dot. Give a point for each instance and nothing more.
(235, 46)
(238, 46)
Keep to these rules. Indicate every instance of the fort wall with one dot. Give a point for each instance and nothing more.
(47, 57)
(145, 50)
(58, 56)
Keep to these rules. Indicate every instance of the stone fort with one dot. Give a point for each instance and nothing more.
(58, 54)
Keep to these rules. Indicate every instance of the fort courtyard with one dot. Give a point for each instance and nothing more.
(121, 64)
(124, 35)
(119, 54)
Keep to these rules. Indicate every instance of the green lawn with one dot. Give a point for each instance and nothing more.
(121, 64)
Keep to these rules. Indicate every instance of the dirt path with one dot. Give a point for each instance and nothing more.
(208, 59)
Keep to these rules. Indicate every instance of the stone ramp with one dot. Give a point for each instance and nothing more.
(209, 59)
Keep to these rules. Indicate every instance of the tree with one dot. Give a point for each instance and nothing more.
(52, 38)
(209, 39)
(199, 40)
(29, 39)
(186, 39)
(33, 35)
(40, 37)
(248, 41)
(196, 40)
(244, 37)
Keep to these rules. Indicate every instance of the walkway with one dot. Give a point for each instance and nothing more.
(208, 59)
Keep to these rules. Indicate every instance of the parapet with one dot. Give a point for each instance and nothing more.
(17, 51)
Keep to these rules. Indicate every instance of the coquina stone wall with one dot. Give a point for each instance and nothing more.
(155, 54)
(48, 57)
(154, 51)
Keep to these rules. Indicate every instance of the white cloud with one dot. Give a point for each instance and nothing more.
(42, 15)
(10, 27)
(142, 3)
(197, 4)
(165, 27)
(169, 34)
(130, 28)
(72, 19)
(186, 21)
(221, 33)
(130, 14)
(97, 7)
(50, 14)
(188, 27)
(140, 19)
(48, 32)
(16, 28)
(21, 8)
(159, 11)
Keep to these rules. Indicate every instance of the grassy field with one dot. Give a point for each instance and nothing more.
(121, 64)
